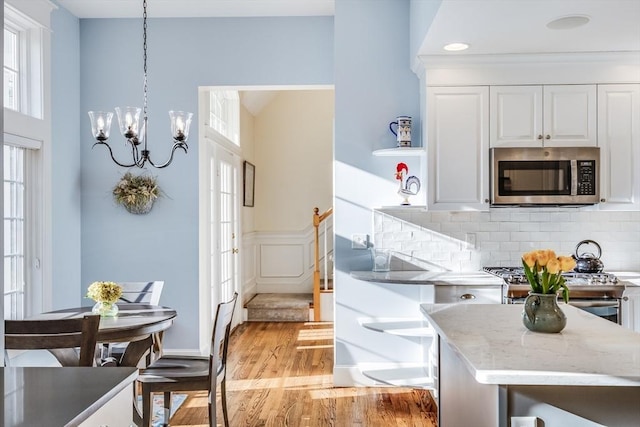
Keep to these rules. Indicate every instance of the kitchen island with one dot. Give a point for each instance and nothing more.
(491, 368)
(72, 396)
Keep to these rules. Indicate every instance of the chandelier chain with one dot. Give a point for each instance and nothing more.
(144, 59)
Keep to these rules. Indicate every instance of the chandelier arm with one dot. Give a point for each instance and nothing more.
(182, 145)
(113, 158)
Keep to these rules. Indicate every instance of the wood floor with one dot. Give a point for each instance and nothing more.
(280, 375)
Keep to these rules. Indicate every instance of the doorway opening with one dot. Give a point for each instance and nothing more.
(286, 134)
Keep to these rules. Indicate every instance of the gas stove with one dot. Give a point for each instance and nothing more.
(597, 293)
(581, 285)
(515, 275)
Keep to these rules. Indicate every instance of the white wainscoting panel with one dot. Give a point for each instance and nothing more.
(281, 260)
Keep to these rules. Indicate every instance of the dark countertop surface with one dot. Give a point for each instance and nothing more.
(57, 396)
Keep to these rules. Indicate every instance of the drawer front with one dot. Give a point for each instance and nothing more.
(468, 294)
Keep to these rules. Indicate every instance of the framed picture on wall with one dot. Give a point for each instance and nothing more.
(249, 172)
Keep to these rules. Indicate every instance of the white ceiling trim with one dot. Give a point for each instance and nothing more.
(197, 8)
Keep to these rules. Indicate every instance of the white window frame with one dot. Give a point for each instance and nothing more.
(223, 115)
(31, 128)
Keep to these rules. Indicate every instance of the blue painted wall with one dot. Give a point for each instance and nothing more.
(183, 55)
(362, 51)
(373, 84)
(65, 156)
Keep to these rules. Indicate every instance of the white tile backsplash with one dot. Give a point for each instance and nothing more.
(437, 240)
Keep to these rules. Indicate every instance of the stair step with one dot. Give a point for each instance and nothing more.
(275, 307)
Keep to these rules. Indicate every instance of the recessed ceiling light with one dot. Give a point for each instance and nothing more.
(454, 47)
(568, 22)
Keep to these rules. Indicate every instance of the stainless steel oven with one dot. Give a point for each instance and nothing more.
(597, 293)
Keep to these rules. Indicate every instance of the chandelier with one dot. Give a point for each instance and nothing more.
(132, 129)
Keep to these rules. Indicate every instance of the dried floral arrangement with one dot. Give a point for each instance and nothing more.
(136, 192)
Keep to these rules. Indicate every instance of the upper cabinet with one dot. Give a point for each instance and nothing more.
(458, 148)
(543, 116)
(619, 141)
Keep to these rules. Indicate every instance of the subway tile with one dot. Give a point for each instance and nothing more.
(500, 236)
(509, 226)
(450, 226)
(529, 226)
(520, 235)
(470, 226)
(489, 226)
(460, 217)
(519, 217)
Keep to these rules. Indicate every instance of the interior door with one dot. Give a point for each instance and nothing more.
(226, 209)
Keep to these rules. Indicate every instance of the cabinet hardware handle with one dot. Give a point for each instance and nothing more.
(539, 136)
(467, 296)
(234, 250)
(547, 137)
(486, 200)
(625, 298)
(603, 200)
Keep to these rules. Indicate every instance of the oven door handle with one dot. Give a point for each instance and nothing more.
(593, 303)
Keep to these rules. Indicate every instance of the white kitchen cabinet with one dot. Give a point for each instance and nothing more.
(543, 116)
(630, 308)
(619, 141)
(458, 148)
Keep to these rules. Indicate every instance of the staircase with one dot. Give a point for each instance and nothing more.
(301, 307)
(279, 308)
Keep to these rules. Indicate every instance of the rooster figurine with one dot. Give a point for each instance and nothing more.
(409, 186)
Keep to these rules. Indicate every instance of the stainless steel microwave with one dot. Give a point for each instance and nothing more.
(545, 176)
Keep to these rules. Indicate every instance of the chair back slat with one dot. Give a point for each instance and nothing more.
(54, 334)
(220, 336)
(141, 292)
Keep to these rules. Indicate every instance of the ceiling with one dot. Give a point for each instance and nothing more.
(519, 26)
(489, 26)
(197, 8)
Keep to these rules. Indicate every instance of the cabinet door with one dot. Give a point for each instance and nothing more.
(569, 116)
(516, 116)
(619, 141)
(458, 148)
(630, 309)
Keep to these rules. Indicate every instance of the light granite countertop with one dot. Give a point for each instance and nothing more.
(497, 349)
(446, 278)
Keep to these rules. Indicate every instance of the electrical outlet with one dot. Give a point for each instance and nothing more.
(359, 241)
(470, 240)
(524, 421)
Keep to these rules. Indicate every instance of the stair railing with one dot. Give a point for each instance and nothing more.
(317, 220)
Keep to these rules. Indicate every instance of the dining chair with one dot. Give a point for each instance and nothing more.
(60, 336)
(135, 293)
(141, 292)
(191, 373)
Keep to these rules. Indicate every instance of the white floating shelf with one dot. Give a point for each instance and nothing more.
(416, 377)
(406, 328)
(400, 151)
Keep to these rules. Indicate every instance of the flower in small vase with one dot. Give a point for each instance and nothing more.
(543, 270)
(104, 292)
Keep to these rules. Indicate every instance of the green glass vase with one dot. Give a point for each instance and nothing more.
(542, 314)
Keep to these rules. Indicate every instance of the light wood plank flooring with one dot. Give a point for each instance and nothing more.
(280, 375)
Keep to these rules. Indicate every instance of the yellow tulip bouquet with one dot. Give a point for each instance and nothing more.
(544, 272)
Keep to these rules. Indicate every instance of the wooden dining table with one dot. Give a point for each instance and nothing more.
(140, 325)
